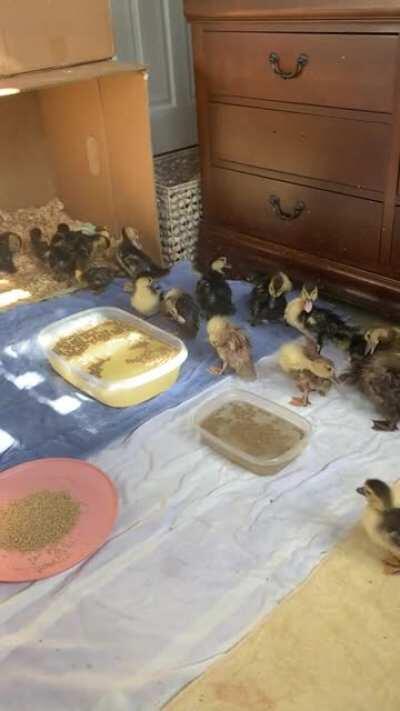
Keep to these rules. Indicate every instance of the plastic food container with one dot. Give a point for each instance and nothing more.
(113, 391)
(233, 424)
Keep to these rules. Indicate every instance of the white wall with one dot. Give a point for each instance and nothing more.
(154, 32)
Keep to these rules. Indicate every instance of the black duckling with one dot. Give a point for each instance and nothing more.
(377, 375)
(317, 322)
(213, 292)
(268, 300)
(323, 324)
(97, 276)
(131, 258)
(10, 244)
(381, 521)
(39, 244)
(232, 346)
(182, 308)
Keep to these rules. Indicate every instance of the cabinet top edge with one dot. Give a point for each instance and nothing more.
(203, 10)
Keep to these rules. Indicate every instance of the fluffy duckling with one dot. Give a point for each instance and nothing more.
(213, 291)
(97, 276)
(145, 299)
(39, 244)
(317, 322)
(10, 244)
(301, 304)
(182, 308)
(381, 521)
(377, 375)
(268, 300)
(131, 257)
(382, 339)
(311, 371)
(232, 346)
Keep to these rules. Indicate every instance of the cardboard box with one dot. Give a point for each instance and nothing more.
(44, 34)
(83, 135)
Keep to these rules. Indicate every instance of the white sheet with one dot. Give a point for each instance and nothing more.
(201, 551)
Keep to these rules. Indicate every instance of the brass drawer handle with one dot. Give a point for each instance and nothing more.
(286, 216)
(274, 60)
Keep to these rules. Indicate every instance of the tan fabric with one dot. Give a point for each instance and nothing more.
(334, 645)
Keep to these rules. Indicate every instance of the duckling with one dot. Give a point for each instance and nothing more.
(96, 276)
(383, 338)
(183, 309)
(131, 258)
(268, 300)
(377, 375)
(312, 372)
(39, 244)
(381, 521)
(213, 291)
(232, 346)
(145, 298)
(317, 322)
(301, 304)
(10, 244)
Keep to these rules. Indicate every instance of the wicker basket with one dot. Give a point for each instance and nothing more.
(179, 203)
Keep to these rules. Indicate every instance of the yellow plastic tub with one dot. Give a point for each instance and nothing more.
(101, 368)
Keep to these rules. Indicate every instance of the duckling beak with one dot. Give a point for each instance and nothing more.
(361, 490)
(369, 349)
(308, 306)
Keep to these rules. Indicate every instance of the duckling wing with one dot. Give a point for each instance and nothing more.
(188, 312)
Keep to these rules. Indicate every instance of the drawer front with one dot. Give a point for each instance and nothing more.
(341, 151)
(395, 259)
(338, 227)
(347, 71)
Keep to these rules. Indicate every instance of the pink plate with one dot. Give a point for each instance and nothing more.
(86, 484)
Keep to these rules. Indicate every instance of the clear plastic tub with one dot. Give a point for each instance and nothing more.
(231, 423)
(115, 391)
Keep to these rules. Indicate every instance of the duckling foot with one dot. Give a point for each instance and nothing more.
(215, 370)
(300, 401)
(391, 566)
(384, 426)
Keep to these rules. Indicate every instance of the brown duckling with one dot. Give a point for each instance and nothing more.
(381, 521)
(378, 375)
(268, 298)
(232, 346)
(311, 371)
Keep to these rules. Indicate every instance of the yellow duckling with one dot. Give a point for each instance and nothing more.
(381, 521)
(145, 299)
(232, 346)
(311, 371)
(301, 304)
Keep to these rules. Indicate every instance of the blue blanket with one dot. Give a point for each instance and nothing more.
(43, 416)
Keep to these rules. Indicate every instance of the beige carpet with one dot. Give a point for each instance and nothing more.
(334, 645)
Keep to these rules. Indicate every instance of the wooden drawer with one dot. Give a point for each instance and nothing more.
(338, 150)
(348, 71)
(395, 258)
(334, 226)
